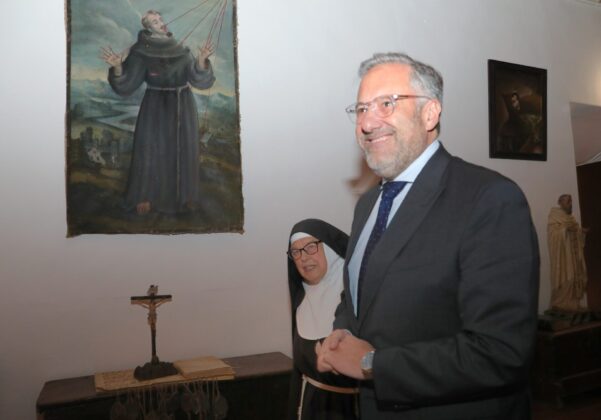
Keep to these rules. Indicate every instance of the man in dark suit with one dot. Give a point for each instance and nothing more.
(440, 310)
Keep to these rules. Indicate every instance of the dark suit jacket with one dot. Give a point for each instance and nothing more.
(449, 299)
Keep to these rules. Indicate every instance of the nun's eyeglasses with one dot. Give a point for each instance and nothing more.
(310, 249)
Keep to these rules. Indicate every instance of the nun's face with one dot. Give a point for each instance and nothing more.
(311, 267)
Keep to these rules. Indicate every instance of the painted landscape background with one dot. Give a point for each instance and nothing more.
(100, 123)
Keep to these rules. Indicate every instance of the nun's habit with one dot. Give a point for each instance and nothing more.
(315, 395)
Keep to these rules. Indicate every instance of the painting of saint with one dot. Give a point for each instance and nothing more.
(517, 116)
(152, 122)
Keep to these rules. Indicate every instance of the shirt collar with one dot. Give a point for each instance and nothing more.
(413, 170)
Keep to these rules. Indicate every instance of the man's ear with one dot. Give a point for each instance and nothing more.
(431, 114)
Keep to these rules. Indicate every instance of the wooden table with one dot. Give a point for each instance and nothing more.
(259, 391)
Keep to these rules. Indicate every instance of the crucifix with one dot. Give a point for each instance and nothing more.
(154, 368)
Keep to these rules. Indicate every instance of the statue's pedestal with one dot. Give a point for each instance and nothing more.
(568, 358)
(557, 319)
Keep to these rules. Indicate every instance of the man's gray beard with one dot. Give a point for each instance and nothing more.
(407, 151)
(393, 166)
(388, 169)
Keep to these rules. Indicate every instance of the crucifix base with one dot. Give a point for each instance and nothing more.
(153, 370)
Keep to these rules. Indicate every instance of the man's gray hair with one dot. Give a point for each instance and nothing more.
(424, 78)
(146, 18)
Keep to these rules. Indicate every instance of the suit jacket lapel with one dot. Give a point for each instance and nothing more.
(362, 213)
(422, 196)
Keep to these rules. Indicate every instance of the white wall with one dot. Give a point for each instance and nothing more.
(65, 307)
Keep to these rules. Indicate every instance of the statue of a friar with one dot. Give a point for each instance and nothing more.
(566, 252)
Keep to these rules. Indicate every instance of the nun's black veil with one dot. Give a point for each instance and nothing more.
(330, 235)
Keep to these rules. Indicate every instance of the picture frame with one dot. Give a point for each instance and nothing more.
(517, 98)
(152, 120)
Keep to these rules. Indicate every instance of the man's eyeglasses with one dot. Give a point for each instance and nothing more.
(310, 249)
(382, 106)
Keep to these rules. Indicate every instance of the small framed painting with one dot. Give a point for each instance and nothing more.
(517, 98)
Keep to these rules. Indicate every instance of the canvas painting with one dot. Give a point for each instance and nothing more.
(152, 123)
(517, 96)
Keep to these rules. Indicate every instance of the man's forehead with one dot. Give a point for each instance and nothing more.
(385, 79)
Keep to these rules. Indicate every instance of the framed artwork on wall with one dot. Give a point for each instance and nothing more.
(152, 121)
(517, 99)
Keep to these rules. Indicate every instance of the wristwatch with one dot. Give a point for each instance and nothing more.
(367, 363)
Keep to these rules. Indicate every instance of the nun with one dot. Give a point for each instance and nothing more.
(316, 253)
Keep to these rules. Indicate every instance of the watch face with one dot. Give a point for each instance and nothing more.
(367, 361)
